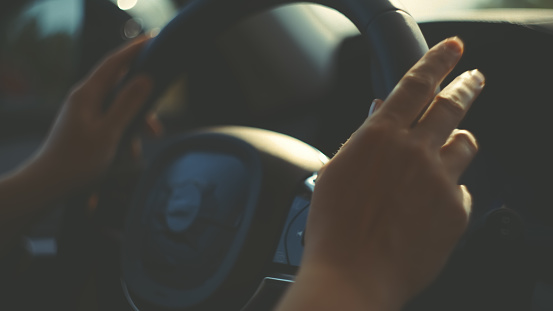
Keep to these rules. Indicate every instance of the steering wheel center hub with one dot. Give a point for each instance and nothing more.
(182, 206)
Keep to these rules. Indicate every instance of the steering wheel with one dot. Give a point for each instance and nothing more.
(208, 214)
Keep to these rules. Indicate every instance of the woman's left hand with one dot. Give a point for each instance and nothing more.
(85, 137)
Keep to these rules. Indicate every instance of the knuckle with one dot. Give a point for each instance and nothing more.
(467, 139)
(383, 131)
(374, 134)
(382, 127)
(452, 103)
(420, 82)
(378, 127)
(464, 91)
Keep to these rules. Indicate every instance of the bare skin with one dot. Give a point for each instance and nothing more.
(80, 146)
(387, 210)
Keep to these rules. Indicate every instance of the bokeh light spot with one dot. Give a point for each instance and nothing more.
(126, 4)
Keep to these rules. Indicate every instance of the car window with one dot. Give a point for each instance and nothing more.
(38, 54)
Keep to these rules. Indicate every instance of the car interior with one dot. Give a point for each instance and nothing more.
(254, 98)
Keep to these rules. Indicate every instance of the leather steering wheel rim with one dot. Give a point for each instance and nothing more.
(395, 40)
(394, 37)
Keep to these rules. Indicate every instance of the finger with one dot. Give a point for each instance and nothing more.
(415, 90)
(458, 152)
(374, 106)
(128, 102)
(467, 200)
(450, 106)
(153, 126)
(106, 75)
(136, 148)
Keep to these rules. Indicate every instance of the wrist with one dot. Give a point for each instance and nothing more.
(24, 194)
(46, 177)
(323, 288)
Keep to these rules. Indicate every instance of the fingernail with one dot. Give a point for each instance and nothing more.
(153, 33)
(478, 77)
(372, 108)
(454, 45)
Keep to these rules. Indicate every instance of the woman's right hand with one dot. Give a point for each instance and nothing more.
(387, 210)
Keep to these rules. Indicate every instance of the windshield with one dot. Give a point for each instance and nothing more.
(421, 9)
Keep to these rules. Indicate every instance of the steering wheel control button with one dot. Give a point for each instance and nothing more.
(506, 219)
(505, 223)
(290, 247)
(500, 234)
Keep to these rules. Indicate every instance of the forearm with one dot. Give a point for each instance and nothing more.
(325, 290)
(26, 193)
